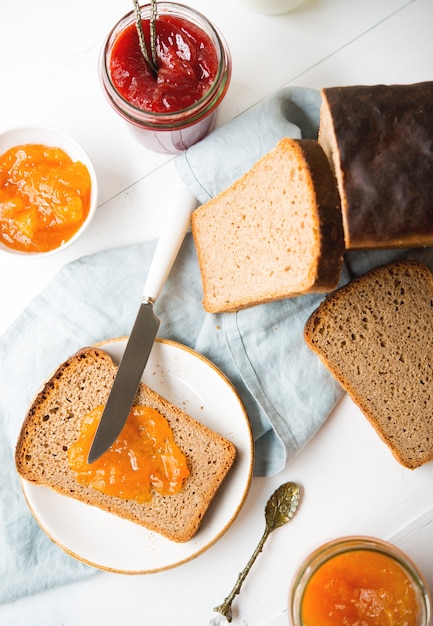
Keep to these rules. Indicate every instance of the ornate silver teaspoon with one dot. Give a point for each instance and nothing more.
(280, 509)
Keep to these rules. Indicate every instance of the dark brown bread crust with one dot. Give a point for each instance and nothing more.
(383, 148)
(331, 227)
(373, 335)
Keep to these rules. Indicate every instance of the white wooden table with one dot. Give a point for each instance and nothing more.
(352, 485)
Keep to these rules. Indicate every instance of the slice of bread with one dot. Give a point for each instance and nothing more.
(53, 423)
(379, 140)
(275, 233)
(373, 334)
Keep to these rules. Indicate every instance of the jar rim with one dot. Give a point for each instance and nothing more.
(167, 119)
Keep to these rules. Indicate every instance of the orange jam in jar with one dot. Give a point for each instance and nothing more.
(44, 197)
(143, 459)
(359, 582)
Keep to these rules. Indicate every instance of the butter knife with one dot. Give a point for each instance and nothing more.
(142, 337)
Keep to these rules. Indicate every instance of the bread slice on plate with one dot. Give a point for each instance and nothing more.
(53, 424)
(275, 233)
(379, 140)
(374, 335)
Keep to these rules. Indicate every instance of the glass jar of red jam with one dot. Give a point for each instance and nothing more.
(174, 109)
(359, 580)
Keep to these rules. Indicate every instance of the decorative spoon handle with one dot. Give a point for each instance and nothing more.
(279, 510)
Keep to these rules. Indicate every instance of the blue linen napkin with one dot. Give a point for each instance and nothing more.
(286, 391)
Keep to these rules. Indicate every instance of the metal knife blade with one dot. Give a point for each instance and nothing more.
(142, 337)
(126, 383)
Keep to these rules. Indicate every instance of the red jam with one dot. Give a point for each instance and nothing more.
(44, 197)
(143, 459)
(187, 65)
(360, 587)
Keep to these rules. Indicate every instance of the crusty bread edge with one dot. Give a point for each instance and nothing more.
(100, 346)
(115, 506)
(308, 332)
(41, 391)
(328, 216)
(112, 504)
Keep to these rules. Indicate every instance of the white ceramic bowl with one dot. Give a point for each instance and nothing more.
(51, 137)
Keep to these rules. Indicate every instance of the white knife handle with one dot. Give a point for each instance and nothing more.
(169, 242)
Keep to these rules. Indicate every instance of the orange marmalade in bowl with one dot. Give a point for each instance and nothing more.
(143, 459)
(359, 581)
(45, 197)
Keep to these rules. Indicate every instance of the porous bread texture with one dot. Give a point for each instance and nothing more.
(53, 423)
(379, 140)
(275, 233)
(373, 335)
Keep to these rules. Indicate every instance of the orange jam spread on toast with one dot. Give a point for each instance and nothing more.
(360, 587)
(143, 459)
(44, 197)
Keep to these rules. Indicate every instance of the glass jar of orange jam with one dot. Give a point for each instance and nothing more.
(359, 581)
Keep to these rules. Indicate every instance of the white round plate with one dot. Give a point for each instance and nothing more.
(103, 540)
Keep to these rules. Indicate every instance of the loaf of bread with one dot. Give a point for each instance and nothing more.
(275, 233)
(53, 424)
(379, 140)
(373, 334)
